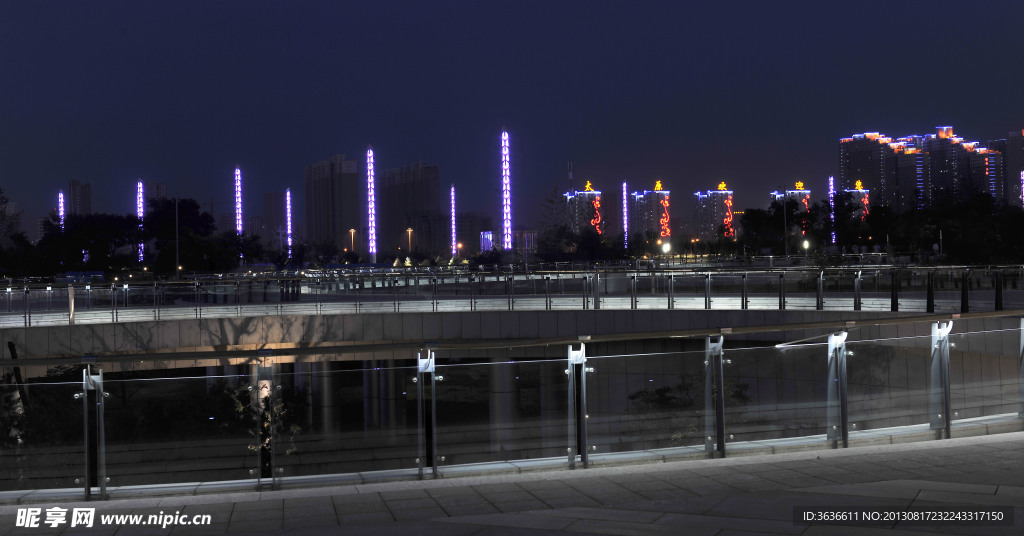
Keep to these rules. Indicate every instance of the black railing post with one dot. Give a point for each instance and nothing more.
(894, 290)
(930, 300)
(744, 302)
(819, 304)
(782, 290)
(856, 292)
(965, 293)
(707, 290)
(999, 290)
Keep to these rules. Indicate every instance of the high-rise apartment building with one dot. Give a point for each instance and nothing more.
(712, 214)
(1012, 149)
(867, 158)
(918, 171)
(79, 200)
(334, 203)
(583, 210)
(649, 214)
(410, 198)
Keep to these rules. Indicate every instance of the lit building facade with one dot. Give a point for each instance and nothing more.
(712, 214)
(919, 171)
(862, 196)
(649, 213)
(583, 210)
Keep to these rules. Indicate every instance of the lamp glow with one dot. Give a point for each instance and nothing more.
(139, 211)
(238, 201)
(454, 243)
(625, 218)
(506, 194)
(371, 208)
(288, 218)
(60, 208)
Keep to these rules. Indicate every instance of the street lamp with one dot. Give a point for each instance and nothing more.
(806, 245)
(458, 249)
(409, 230)
(352, 235)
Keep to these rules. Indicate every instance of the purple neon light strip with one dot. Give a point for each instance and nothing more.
(60, 208)
(238, 201)
(625, 218)
(288, 218)
(139, 212)
(832, 205)
(454, 248)
(506, 195)
(371, 208)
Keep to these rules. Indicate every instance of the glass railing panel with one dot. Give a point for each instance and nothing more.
(42, 443)
(192, 424)
(645, 401)
(775, 393)
(337, 417)
(887, 382)
(984, 370)
(491, 411)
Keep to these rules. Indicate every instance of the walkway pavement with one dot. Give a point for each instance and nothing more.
(754, 495)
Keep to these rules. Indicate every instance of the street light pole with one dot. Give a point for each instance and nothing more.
(352, 234)
(409, 230)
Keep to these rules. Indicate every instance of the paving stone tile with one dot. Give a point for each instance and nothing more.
(566, 502)
(297, 523)
(870, 489)
(460, 500)
(520, 506)
(943, 486)
(609, 514)
(673, 494)
(470, 509)
(257, 515)
(497, 488)
(966, 498)
(422, 502)
(361, 507)
(589, 526)
(410, 514)
(404, 494)
(514, 520)
(685, 522)
(452, 491)
(365, 517)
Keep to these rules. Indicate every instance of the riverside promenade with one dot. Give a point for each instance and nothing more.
(746, 495)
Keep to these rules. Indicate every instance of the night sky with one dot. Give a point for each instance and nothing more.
(755, 94)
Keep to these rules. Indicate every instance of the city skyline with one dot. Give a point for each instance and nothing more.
(691, 95)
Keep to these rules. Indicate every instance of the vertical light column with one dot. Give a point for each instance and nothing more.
(371, 208)
(60, 208)
(832, 206)
(625, 219)
(238, 201)
(140, 211)
(1022, 187)
(506, 193)
(288, 218)
(454, 249)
